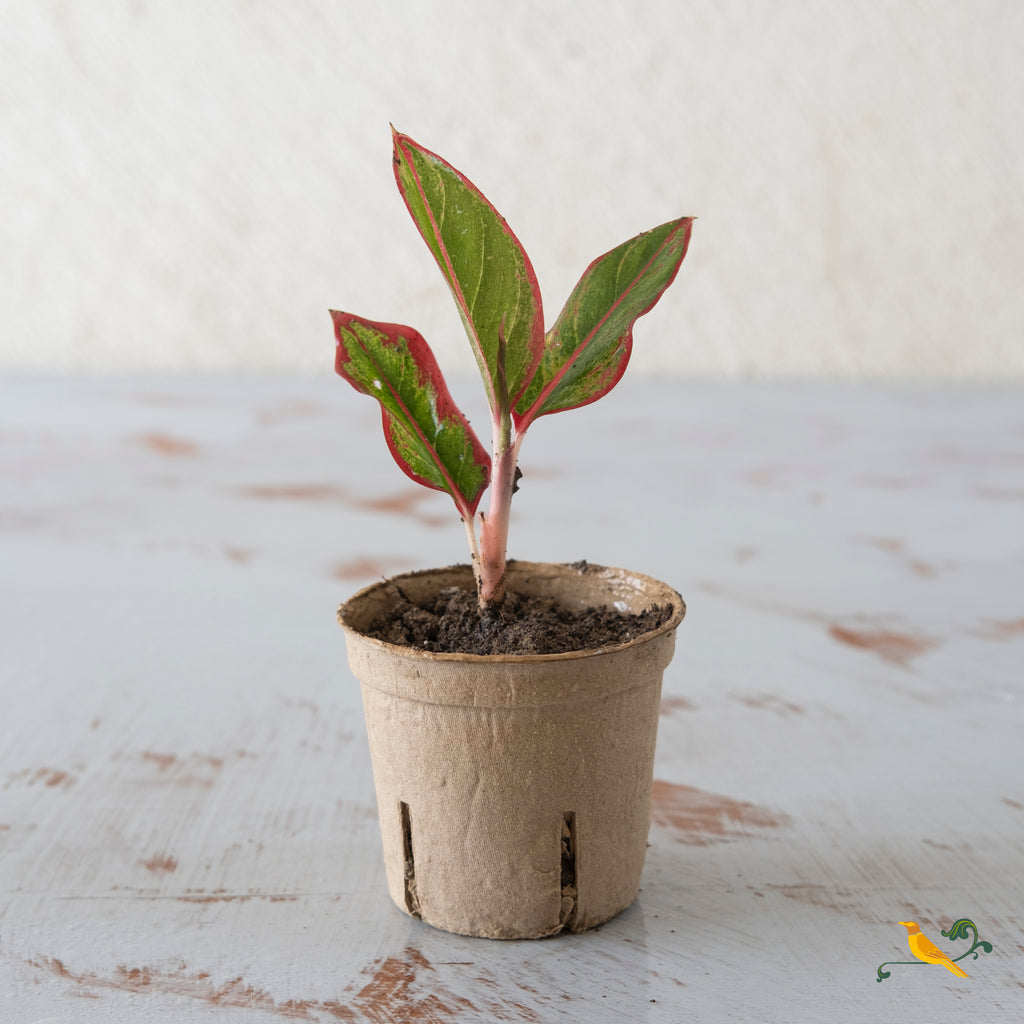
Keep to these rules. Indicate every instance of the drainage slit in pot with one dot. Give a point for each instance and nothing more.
(412, 900)
(567, 916)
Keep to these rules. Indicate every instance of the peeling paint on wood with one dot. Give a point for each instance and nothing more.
(160, 864)
(187, 812)
(670, 705)
(699, 818)
(368, 567)
(1005, 629)
(898, 648)
(171, 447)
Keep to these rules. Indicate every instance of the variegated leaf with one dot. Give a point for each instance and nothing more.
(430, 439)
(487, 269)
(586, 351)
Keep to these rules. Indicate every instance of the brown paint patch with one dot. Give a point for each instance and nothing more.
(744, 553)
(698, 818)
(675, 981)
(164, 762)
(200, 986)
(403, 988)
(767, 477)
(393, 993)
(897, 648)
(241, 555)
(670, 705)
(897, 546)
(1003, 629)
(161, 864)
(171, 447)
(1015, 804)
(405, 503)
(193, 770)
(366, 568)
(894, 545)
(223, 896)
(767, 702)
(52, 778)
(54, 965)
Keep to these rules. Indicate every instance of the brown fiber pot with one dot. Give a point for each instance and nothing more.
(514, 792)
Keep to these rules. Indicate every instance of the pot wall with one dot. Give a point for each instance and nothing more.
(514, 792)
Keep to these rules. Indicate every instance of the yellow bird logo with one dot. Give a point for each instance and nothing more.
(928, 953)
(924, 949)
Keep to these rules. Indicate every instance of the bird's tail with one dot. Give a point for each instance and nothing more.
(954, 968)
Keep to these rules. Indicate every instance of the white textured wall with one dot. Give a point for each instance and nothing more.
(189, 184)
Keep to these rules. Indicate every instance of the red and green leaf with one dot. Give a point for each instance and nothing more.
(487, 269)
(587, 349)
(430, 439)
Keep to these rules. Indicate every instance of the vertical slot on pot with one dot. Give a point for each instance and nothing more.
(412, 900)
(569, 894)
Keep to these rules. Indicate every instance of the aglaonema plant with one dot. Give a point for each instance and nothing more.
(527, 372)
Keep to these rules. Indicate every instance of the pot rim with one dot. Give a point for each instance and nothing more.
(638, 581)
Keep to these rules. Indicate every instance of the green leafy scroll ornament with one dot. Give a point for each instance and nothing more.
(927, 953)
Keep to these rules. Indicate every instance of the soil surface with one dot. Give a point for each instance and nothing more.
(452, 623)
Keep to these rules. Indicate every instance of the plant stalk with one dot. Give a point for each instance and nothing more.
(494, 524)
(494, 528)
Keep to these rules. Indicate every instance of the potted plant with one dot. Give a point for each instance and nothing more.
(511, 706)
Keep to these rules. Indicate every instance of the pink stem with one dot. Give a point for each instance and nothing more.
(494, 527)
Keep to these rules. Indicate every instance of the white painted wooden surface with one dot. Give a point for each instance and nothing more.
(187, 822)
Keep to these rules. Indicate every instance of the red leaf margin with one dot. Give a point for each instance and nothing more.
(444, 405)
(536, 343)
(524, 419)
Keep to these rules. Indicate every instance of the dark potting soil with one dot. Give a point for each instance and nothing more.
(452, 623)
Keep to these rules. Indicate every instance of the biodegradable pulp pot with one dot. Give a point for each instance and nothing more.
(514, 791)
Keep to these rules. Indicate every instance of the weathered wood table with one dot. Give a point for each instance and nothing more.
(187, 819)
